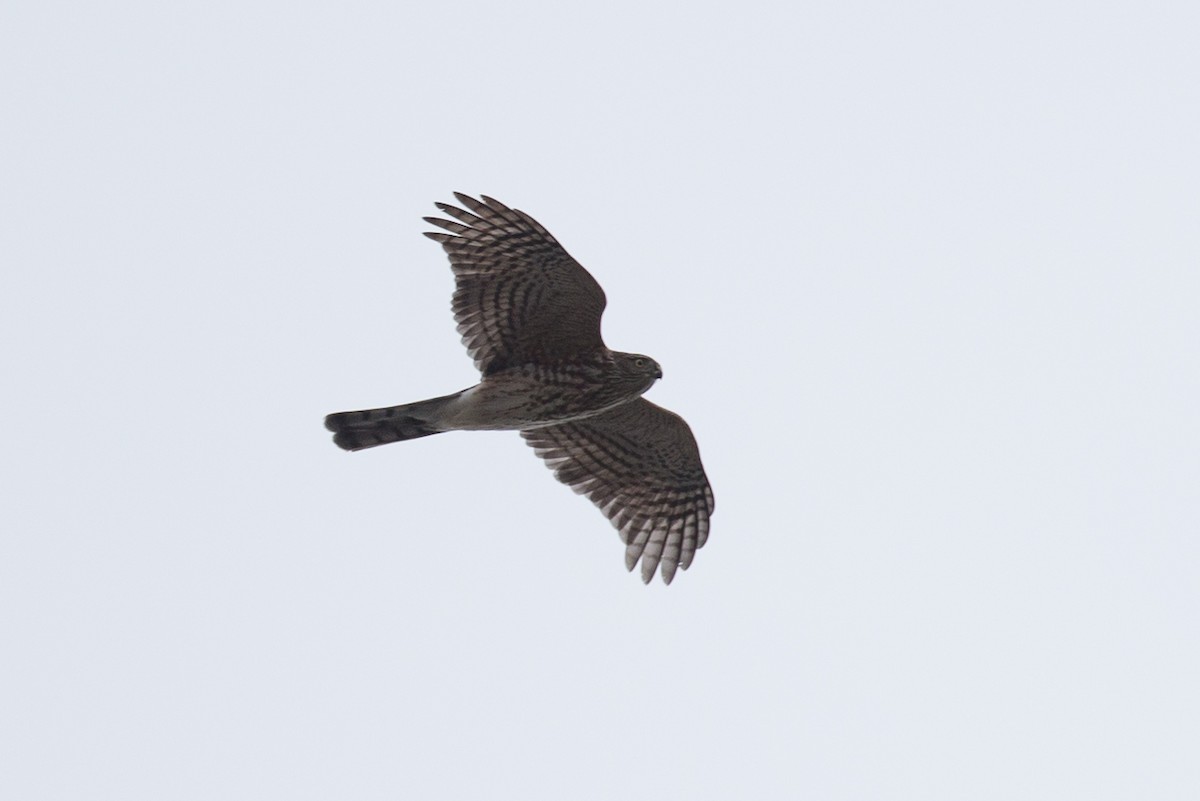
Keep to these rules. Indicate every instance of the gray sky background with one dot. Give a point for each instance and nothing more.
(923, 278)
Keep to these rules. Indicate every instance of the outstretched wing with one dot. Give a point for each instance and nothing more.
(639, 463)
(519, 297)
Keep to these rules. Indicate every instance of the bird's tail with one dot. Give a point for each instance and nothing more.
(354, 431)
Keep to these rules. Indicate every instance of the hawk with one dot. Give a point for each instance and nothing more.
(529, 315)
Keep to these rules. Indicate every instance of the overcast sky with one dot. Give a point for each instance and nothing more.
(923, 278)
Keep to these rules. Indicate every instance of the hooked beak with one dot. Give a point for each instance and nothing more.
(658, 373)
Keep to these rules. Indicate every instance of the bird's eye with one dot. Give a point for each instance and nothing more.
(639, 362)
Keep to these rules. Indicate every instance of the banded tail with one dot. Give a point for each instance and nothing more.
(354, 431)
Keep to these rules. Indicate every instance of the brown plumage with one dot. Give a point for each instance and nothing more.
(529, 315)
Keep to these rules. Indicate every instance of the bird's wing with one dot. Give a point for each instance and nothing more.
(519, 296)
(639, 463)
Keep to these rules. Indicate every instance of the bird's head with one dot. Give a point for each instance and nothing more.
(638, 369)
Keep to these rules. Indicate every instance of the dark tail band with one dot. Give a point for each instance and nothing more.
(354, 431)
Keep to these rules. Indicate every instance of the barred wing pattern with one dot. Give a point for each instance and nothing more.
(639, 463)
(519, 297)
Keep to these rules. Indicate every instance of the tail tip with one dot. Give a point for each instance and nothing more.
(348, 440)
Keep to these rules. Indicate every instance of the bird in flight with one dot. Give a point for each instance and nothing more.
(529, 315)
